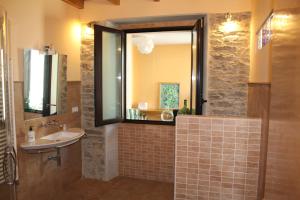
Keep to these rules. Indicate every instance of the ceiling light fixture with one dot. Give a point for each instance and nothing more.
(145, 44)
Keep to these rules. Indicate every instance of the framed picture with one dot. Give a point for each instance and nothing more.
(264, 34)
(169, 95)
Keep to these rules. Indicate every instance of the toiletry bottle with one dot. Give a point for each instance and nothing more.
(31, 135)
(65, 127)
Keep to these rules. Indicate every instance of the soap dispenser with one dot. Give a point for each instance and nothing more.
(31, 135)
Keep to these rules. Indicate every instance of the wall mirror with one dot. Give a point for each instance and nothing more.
(45, 84)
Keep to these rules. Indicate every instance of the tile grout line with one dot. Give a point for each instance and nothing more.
(211, 128)
(159, 160)
(245, 183)
(199, 140)
(187, 155)
(222, 160)
(234, 155)
(175, 168)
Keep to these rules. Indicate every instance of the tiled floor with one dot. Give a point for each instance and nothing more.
(120, 188)
(4, 191)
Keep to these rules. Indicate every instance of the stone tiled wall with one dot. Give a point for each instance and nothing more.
(217, 158)
(100, 149)
(93, 155)
(228, 66)
(227, 70)
(147, 151)
(87, 86)
(62, 85)
(100, 153)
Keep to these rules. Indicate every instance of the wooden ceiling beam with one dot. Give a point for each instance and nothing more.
(80, 3)
(76, 3)
(116, 2)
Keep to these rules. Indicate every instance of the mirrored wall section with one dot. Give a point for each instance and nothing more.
(158, 74)
(45, 84)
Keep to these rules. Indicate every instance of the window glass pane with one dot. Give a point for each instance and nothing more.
(111, 76)
(194, 69)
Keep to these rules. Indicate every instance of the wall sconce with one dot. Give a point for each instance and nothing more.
(76, 31)
(229, 25)
(88, 30)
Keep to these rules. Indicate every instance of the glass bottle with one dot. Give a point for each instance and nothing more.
(185, 110)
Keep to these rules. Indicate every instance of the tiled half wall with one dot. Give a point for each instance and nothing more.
(217, 158)
(147, 151)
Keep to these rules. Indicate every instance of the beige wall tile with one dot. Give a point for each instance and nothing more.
(221, 160)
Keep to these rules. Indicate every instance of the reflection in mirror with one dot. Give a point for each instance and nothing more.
(45, 84)
(158, 75)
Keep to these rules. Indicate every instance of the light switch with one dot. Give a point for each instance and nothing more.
(74, 109)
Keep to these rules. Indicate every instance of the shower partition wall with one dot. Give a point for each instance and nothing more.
(8, 169)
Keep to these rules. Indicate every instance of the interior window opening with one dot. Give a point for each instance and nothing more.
(158, 75)
(148, 75)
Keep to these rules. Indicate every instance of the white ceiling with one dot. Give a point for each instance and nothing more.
(167, 37)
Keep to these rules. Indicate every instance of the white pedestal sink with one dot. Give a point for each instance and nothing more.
(55, 140)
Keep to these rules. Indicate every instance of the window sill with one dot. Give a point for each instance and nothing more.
(172, 123)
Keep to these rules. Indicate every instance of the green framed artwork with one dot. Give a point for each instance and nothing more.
(169, 95)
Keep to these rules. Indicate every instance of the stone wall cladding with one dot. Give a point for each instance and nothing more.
(150, 147)
(100, 153)
(147, 151)
(93, 155)
(62, 106)
(87, 86)
(227, 70)
(228, 66)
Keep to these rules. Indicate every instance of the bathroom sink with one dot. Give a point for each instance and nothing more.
(61, 135)
(55, 140)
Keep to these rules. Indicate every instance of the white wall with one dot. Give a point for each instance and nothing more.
(98, 10)
(36, 23)
(260, 69)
